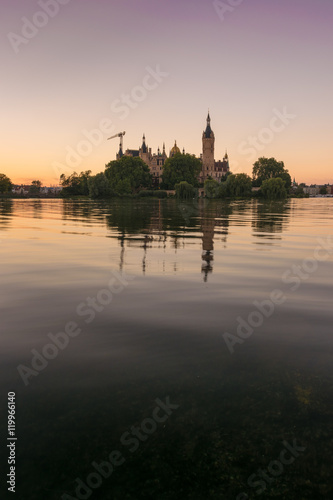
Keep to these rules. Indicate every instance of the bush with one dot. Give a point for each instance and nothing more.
(238, 185)
(161, 194)
(144, 193)
(274, 189)
(185, 191)
(211, 188)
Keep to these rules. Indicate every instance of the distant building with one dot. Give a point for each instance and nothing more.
(24, 189)
(315, 190)
(311, 190)
(21, 189)
(155, 161)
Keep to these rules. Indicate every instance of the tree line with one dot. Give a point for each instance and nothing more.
(131, 176)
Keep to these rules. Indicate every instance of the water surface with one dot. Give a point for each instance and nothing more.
(193, 270)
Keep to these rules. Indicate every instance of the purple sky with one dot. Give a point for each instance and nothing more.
(265, 55)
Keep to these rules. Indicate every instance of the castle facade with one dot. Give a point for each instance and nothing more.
(155, 161)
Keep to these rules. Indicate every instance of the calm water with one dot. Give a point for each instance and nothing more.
(191, 271)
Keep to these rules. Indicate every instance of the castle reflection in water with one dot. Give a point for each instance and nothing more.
(169, 223)
(156, 229)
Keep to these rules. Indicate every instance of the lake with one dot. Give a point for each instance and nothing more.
(166, 350)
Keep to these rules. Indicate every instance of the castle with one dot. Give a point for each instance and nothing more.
(210, 168)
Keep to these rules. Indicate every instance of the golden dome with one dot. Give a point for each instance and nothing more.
(175, 149)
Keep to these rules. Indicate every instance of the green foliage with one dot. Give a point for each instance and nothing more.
(268, 168)
(185, 191)
(180, 168)
(99, 186)
(299, 192)
(35, 188)
(285, 176)
(74, 184)
(274, 189)
(128, 175)
(222, 191)
(237, 185)
(146, 193)
(224, 178)
(323, 190)
(211, 188)
(5, 184)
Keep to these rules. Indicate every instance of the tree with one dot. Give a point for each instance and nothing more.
(274, 189)
(299, 192)
(35, 188)
(181, 167)
(268, 168)
(238, 185)
(323, 190)
(74, 184)
(99, 186)
(224, 178)
(211, 188)
(128, 175)
(5, 184)
(185, 191)
(84, 177)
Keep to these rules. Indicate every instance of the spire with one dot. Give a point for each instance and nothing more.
(163, 147)
(144, 147)
(183, 151)
(226, 155)
(208, 130)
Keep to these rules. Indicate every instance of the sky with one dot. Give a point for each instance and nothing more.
(79, 71)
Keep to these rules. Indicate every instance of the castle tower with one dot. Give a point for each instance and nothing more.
(208, 142)
(144, 151)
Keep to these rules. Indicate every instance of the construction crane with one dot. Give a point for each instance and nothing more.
(121, 135)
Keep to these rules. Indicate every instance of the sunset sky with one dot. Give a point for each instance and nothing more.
(256, 61)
